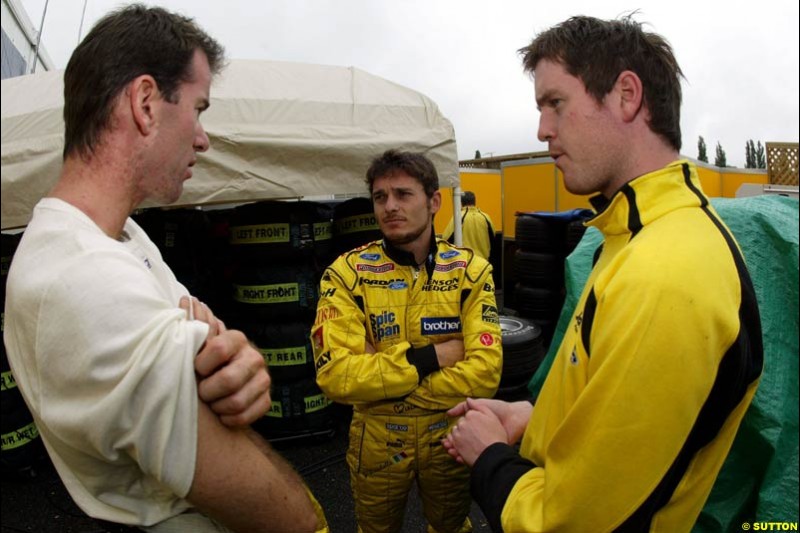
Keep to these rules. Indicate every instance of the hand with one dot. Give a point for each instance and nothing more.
(202, 312)
(513, 416)
(234, 380)
(448, 353)
(478, 429)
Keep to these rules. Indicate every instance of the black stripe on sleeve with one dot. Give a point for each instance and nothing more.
(493, 477)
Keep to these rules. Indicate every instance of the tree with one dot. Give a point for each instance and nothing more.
(477, 154)
(760, 156)
(749, 154)
(720, 159)
(701, 150)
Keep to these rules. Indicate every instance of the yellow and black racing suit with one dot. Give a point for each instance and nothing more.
(375, 294)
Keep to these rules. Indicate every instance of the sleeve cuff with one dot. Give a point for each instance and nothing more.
(424, 359)
(493, 477)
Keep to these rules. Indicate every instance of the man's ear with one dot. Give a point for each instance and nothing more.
(436, 202)
(142, 95)
(631, 94)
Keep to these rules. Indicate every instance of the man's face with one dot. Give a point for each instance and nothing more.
(403, 211)
(180, 135)
(581, 134)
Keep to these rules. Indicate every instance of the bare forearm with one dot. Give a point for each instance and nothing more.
(241, 482)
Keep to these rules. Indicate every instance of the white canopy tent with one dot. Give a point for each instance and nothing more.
(277, 130)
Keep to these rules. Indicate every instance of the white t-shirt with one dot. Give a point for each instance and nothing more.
(104, 358)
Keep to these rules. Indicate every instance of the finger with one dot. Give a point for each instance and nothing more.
(458, 410)
(221, 349)
(256, 410)
(233, 389)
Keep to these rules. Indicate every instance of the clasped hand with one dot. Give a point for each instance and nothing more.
(233, 377)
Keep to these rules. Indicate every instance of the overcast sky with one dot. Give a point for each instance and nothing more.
(740, 58)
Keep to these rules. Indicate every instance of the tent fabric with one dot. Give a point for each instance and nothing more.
(277, 130)
(759, 480)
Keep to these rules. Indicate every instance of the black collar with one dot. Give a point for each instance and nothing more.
(402, 257)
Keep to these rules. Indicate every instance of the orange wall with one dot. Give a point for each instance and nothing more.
(537, 185)
(486, 186)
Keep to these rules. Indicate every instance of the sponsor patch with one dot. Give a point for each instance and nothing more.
(370, 257)
(396, 427)
(440, 285)
(438, 425)
(451, 266)
(323, 360)
(318, 339)
(488, 287)
(395, 444)
(383, 326)
(403, 407)
(489, 314)
(328, 293)
(377, 269)
(440, 325)
(380, 283)
(448, 255)
(326, 313)
(398, 285)
(487, 339)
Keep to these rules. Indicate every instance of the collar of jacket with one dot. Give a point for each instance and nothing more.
(646, 198)
(402, 257)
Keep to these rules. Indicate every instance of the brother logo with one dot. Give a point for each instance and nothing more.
(441, 326)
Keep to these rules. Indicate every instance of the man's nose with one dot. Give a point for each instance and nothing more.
(201, 142)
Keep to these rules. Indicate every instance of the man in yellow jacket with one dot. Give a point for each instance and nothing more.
(406, 328)
(477, 230)
(663, 353)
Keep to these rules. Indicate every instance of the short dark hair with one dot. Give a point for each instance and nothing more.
(598, 51)
(414, 164)
(124, 44)
(468, 198)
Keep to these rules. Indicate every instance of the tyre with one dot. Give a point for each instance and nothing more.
(538, 234)
(354, 224)
(274, 292)
(523, 350)
(262, 231)
(538, 303)
(297, 408)
(286, 348)
(538, 269)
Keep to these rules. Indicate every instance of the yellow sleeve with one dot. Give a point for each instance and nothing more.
(346, 373)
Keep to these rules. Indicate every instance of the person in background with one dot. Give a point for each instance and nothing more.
(477, 231)
(406, 328)
(663, 354)
(141, 395)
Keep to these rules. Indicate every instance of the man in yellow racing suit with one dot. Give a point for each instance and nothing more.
(407, 327)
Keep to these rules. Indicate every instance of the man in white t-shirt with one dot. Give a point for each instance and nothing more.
(141, 395)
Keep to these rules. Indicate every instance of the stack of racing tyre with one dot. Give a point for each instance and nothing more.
(544, 240)
(523, 352)
(278, 252)
(354, 224)
(22, 448)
